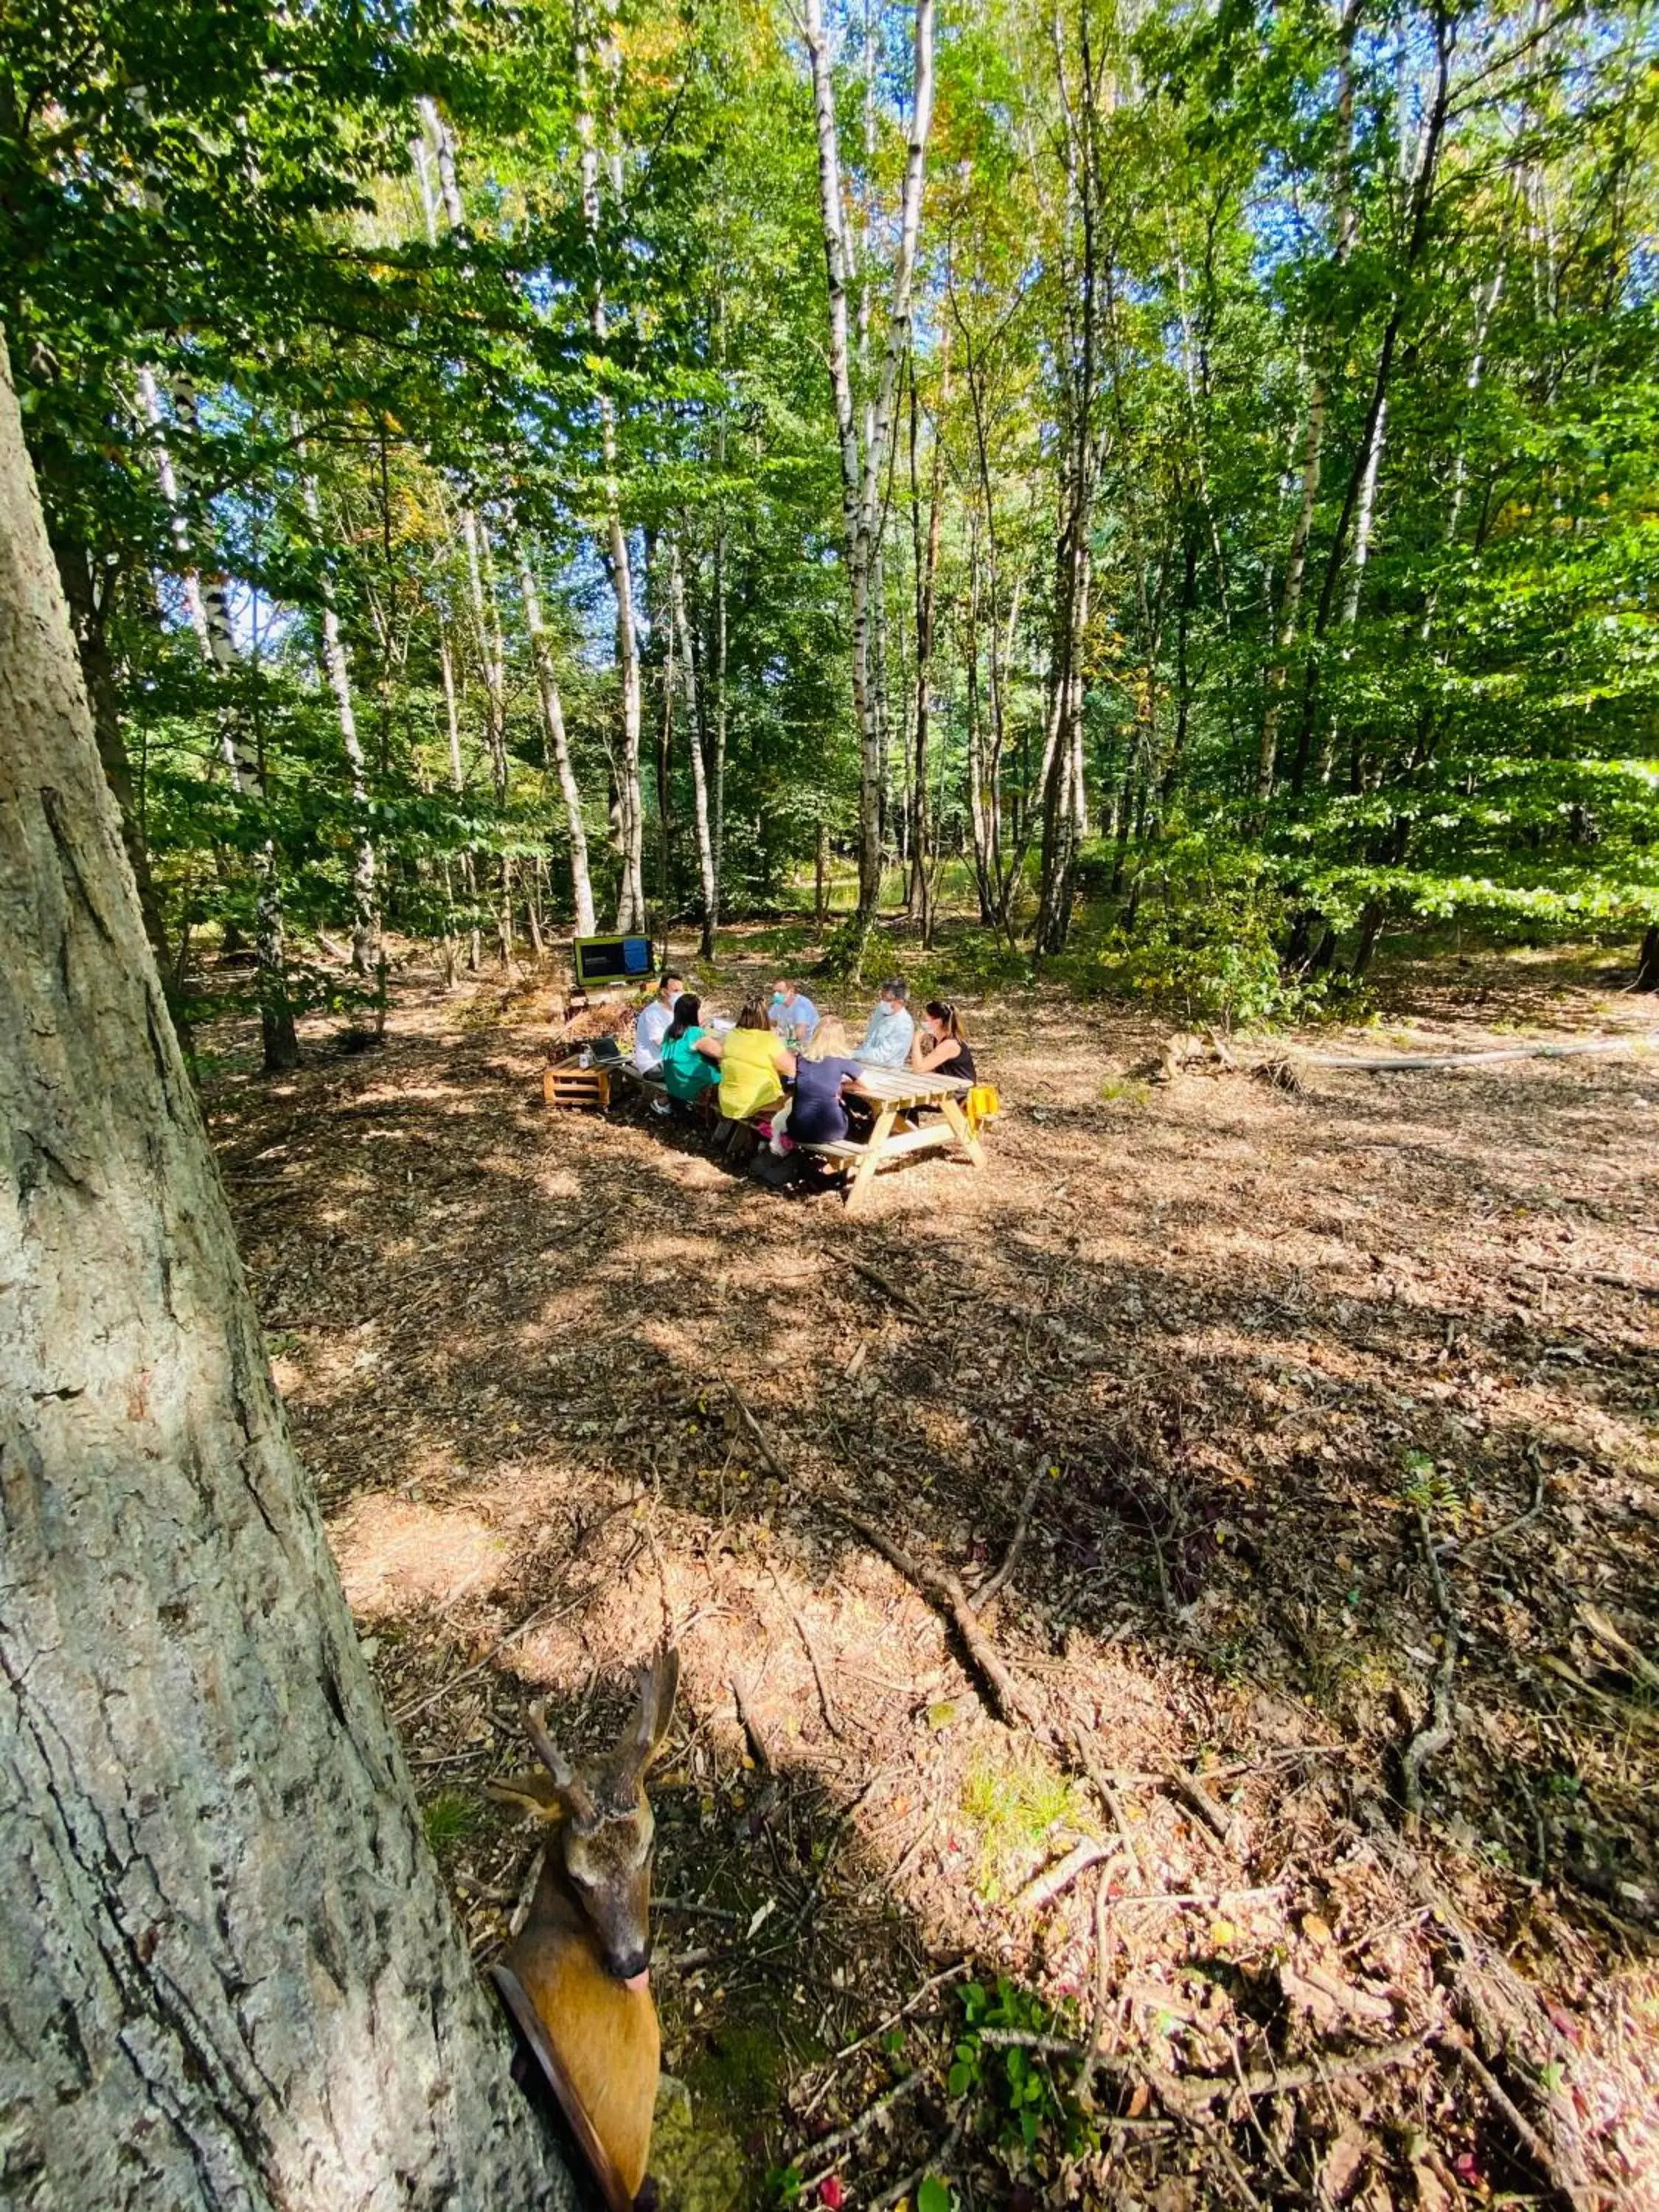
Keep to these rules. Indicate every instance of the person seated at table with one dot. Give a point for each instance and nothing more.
(817, 1115)
(686, 1073)
(791, 1014)
(886, 1042)
(752, 1061)
(652, 1026)
(939, 1047)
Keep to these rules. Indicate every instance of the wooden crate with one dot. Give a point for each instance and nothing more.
(576, 1089)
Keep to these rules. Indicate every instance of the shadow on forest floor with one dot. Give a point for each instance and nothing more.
(1245, 1346)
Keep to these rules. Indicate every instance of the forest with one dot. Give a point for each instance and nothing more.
(1170, 490)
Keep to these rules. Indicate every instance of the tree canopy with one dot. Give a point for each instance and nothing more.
(1251, 411)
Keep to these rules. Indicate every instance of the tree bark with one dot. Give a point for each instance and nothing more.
(209, 615)
(862, 471)
(925, 550)
(614, 547)
(558, 745)
(706, 877)
(228, 1974)
(365, 922)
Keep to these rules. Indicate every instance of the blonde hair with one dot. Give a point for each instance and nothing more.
(830, 1041)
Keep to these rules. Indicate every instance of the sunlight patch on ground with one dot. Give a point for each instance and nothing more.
(399, 1558)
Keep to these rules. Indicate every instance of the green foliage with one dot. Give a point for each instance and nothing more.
(1206, 937)
(1035, 2117)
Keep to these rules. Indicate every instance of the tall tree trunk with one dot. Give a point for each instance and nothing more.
(210, 614)
(1290, 601)
(558, 745)
(659, 598)
(717, 794)
(231, 1976)
(926, 551)
(87, 610)
(1372, 431)
(682, 628)
(458, 783)
(862, 471)
(614, 547)
(365, 922)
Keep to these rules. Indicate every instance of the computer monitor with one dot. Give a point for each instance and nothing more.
(611, 962)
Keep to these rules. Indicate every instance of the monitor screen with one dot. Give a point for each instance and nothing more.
(612, 960)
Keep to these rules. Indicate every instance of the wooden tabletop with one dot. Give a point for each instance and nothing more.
(902, 1086)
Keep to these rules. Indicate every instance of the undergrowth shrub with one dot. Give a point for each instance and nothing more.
(1203, 931)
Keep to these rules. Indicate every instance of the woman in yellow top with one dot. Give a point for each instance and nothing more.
(751, 1061)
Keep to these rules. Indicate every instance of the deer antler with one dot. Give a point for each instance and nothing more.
(578, 1798)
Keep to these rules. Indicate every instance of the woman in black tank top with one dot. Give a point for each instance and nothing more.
(939, 1048)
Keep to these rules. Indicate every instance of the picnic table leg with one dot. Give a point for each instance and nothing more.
(872, 1153)
(964, 1136)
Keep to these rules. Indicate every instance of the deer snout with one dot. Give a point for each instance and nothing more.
(632, 1966)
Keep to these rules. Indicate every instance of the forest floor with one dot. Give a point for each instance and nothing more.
(1239, 1356)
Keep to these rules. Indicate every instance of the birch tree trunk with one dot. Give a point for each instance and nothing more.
(862, 471)
(1290, 602)
(630, 813)
(926, 552)
(492, 654)
(458, 783)
(366, 926)
(558, 745)
(230, 1976)
(209, 613)
(706, 875)
(439, 138)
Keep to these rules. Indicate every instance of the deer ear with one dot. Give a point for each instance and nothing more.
(659, 1682)
(535, 1792)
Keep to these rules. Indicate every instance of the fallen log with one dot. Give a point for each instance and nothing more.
(1402, 1063)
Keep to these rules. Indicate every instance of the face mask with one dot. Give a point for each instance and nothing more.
(777, 997)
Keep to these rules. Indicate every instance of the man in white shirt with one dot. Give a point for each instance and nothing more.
(887, 1041)
(651, 1027)
(792, 1015)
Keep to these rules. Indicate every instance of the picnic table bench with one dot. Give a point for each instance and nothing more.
(892, 1092)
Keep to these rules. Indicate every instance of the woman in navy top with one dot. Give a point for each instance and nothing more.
(818, 1115)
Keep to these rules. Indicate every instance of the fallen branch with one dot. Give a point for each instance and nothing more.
(1192, 2093)
(828, 2151)
(824, 1699)
(894, 1291)
(1058, 1878)
(918, 2175)
(1540, 2153)
(1392, 1063)
(1437, 1735)
(944, 1590)
(1511, 1527)
(759, 1436)
(987, 1590)
(861, 2043)
(1103, 1979)
(1191, 1794)
(1103, 1788)
(829, 1849)
(750, 1726)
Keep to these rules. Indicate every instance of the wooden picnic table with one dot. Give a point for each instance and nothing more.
(892, 1092)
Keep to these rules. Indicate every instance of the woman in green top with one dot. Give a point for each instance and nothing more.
(686, 1074)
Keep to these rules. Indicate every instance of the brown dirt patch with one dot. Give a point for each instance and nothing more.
(1254, 1337)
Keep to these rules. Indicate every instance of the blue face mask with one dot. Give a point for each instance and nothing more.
(777, 997)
